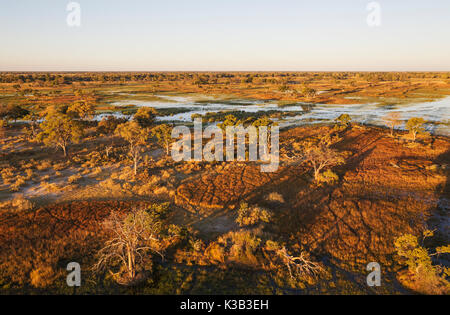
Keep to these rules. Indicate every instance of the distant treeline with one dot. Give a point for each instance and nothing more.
(46, 78)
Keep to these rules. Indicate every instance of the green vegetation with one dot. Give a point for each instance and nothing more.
(248, 216)
(415, 126)
(60, 130)
(145, 116)
(344, 120)
(136, 136)
(339, 200)
(423, 276)
(163, 134)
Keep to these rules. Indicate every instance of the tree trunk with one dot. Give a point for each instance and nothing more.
(131, 271)
(316, 174)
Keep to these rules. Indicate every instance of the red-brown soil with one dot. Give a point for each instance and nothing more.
(387, 187)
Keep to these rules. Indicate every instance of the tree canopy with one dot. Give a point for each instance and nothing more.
(59, 130)
(145, 116)
(136, 136)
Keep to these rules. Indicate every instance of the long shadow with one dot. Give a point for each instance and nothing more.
(441, 214)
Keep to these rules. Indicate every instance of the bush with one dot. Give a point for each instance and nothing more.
(74, 178)
(20, 181)
(248, 216)
(19, 203)
(328, 177)
(274, 196)
(344, 120)
(108, 124)
(42, 277)
(241, 247)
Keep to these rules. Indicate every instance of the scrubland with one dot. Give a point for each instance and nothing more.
(225, 227)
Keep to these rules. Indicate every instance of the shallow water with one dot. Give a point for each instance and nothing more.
(437, 113)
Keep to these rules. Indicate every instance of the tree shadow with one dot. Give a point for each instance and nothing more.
(440, 219)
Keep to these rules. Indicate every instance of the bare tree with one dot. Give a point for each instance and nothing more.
(133, 236)
(321, 156)
(298, 265)
(392, 120)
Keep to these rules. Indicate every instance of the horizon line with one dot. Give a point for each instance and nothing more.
(217, 71)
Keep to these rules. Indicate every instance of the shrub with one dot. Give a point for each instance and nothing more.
(328, 177)
(7, 175)
(44, 165)
(161, 190)
(248, 216)
(20, 181)
(274, 196)
(29, 173)
(42, 277)
(344, 120)
(19, 203)
(241, 247)
(108, 124)
(74, 178)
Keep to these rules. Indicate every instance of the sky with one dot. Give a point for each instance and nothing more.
(225, 35)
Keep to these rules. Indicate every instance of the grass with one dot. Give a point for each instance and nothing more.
(51, 208)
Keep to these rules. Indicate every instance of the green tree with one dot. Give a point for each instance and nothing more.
(230, 121)
(31, 130)
(424, 276)
(13, 112)
(283, 88)
(263, 122)
(108, 124)
(81, 109)
(309, 92)
(136, 136)
(163, 134)
(344, 120)
(60, 130)
(145, 116)
(415, 126)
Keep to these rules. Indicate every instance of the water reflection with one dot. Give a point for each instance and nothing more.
(437, 113)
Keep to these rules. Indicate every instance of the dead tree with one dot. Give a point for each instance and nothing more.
(133, 236)
(298, 265)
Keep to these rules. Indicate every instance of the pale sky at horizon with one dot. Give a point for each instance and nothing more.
(225, 35)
